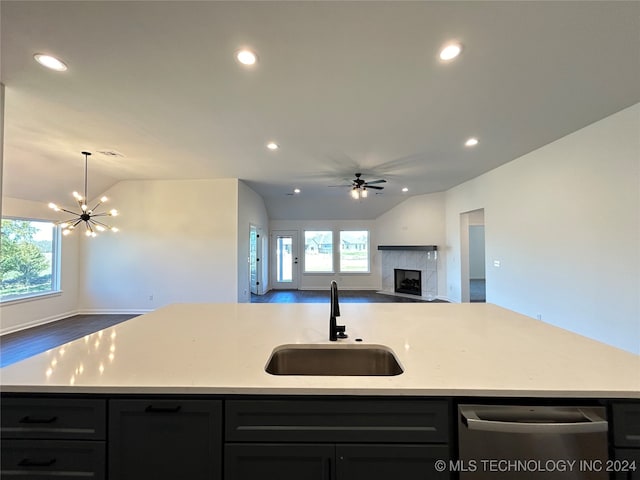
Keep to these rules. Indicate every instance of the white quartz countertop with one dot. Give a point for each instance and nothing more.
(444, 349)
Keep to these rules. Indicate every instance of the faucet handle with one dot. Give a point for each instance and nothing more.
(340, 329)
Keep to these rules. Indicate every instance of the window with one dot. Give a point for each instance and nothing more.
(318, 251)
(29, 257)
(354, 251)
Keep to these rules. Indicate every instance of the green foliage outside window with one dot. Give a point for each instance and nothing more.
(26, 258)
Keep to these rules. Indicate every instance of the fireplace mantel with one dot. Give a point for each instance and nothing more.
(412, 248)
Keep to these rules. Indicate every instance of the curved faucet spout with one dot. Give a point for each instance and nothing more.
(335, 331)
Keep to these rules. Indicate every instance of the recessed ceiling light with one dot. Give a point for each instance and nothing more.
(405, 189)
(246, 57)
(273, 146)
(50, 62)
(296, 190)
(450, 51)
(471, 142)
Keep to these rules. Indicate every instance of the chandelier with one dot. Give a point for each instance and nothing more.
(86, 215)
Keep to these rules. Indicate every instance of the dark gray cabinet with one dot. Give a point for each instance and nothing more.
(165, 439)
(334, 439)
(279, 461)
(53, 437)
(626, 440)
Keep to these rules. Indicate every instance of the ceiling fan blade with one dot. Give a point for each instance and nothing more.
(376, 181)
(374, 187)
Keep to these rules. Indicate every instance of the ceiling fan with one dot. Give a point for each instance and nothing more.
(359, 186)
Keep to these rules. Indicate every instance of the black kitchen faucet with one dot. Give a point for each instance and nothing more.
(335, 331)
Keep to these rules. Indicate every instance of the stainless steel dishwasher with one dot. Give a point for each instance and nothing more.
(532, 442)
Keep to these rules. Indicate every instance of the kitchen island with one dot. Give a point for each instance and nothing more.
(182, 392)
(444, 349)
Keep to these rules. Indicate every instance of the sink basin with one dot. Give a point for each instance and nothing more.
(333, 360)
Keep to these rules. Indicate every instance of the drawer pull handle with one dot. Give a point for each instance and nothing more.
(26, 462)
(29, 419)
(152, 409)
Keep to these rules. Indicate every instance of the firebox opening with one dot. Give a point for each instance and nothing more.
(408, 281)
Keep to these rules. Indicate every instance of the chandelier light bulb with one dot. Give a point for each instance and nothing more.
(114, 229)
(77, 196)
(103, 199)
(113, 212)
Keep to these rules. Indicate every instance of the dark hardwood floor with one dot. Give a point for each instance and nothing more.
(31, 341)
(322, 296)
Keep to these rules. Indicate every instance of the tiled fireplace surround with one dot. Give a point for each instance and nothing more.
(426, 262)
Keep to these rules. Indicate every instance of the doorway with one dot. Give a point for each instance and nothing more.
(472, 256)
(285, 259)
(255, 251)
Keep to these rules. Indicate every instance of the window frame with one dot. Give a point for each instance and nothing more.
(56, 262)
(346, 272)
(333, 253)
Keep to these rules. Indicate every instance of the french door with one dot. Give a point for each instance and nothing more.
(285, 263)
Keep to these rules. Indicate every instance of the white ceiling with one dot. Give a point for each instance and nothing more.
(343, 87)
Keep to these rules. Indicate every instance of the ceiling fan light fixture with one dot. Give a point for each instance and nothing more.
(50, 62)
(355, 193)
(364, 193)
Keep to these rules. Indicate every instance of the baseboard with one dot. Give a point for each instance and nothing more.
(35, 323)
(113, 311)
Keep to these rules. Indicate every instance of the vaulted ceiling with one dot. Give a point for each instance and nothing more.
(342, 87)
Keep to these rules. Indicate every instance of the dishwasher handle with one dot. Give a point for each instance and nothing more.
(536, 419)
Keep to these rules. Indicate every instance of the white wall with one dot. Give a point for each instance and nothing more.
(15, 316)
(419, 220)
(178, 243)
(251, 211)
(564, 222)
(352, 281)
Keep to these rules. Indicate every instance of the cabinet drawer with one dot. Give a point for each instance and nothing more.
(54, 418)
(387, 421)
(60, 459)
(626, 424)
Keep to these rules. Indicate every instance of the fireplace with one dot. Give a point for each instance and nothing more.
(408, 281)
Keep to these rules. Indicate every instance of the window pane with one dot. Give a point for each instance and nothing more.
(27, 258)
(318, 251)
(284, 262)
(354, 251)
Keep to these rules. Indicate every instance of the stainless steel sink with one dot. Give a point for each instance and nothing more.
(333, 360)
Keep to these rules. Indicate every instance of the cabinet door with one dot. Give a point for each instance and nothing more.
(627, 464)
(252, 461)
(165, 439)
(383, 462)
